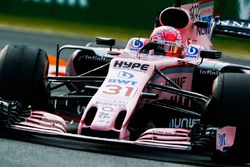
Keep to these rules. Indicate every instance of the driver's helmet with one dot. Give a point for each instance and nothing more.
(166, 40)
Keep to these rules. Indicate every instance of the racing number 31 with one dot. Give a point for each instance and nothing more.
(119, 90)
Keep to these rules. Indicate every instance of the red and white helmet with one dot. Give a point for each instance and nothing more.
(167, 40)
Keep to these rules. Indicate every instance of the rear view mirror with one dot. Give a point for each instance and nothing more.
(201, 24)
(105, 41)
(211, 54)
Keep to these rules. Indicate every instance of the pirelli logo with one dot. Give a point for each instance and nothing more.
(131, 66)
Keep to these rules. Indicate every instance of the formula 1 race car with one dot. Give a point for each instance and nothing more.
(136, 95)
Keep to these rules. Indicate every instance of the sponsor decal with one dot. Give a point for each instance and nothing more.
(125, 75)
(192, 56)
(208, 19)
(107, 109)
(192, 52)
(105, 114)
(124, 91)
(111, 103)
(202, 10)
(52, 121)
(234, 23)
(131, 66)
(164, 132)
(104, 117)
(209, 72)
(221, 140)
(206, 10)
(122, 81)
(136, 44)
(194, 11)
(183, 122)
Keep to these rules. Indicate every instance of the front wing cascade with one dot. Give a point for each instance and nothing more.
(15, 121)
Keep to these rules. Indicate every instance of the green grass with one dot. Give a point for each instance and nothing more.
(228, 45)
(71, 28)
(232, 46)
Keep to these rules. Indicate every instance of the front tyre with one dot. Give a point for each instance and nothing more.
(229, 105)
(22, 75)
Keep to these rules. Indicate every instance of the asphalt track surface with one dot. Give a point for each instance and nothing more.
(40, 151)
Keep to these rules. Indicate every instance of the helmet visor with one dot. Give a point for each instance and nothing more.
(172, 49)
(165, 49)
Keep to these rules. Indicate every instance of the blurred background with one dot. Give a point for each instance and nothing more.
(112, 18)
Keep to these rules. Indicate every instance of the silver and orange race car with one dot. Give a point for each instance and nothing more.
(135, 96)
